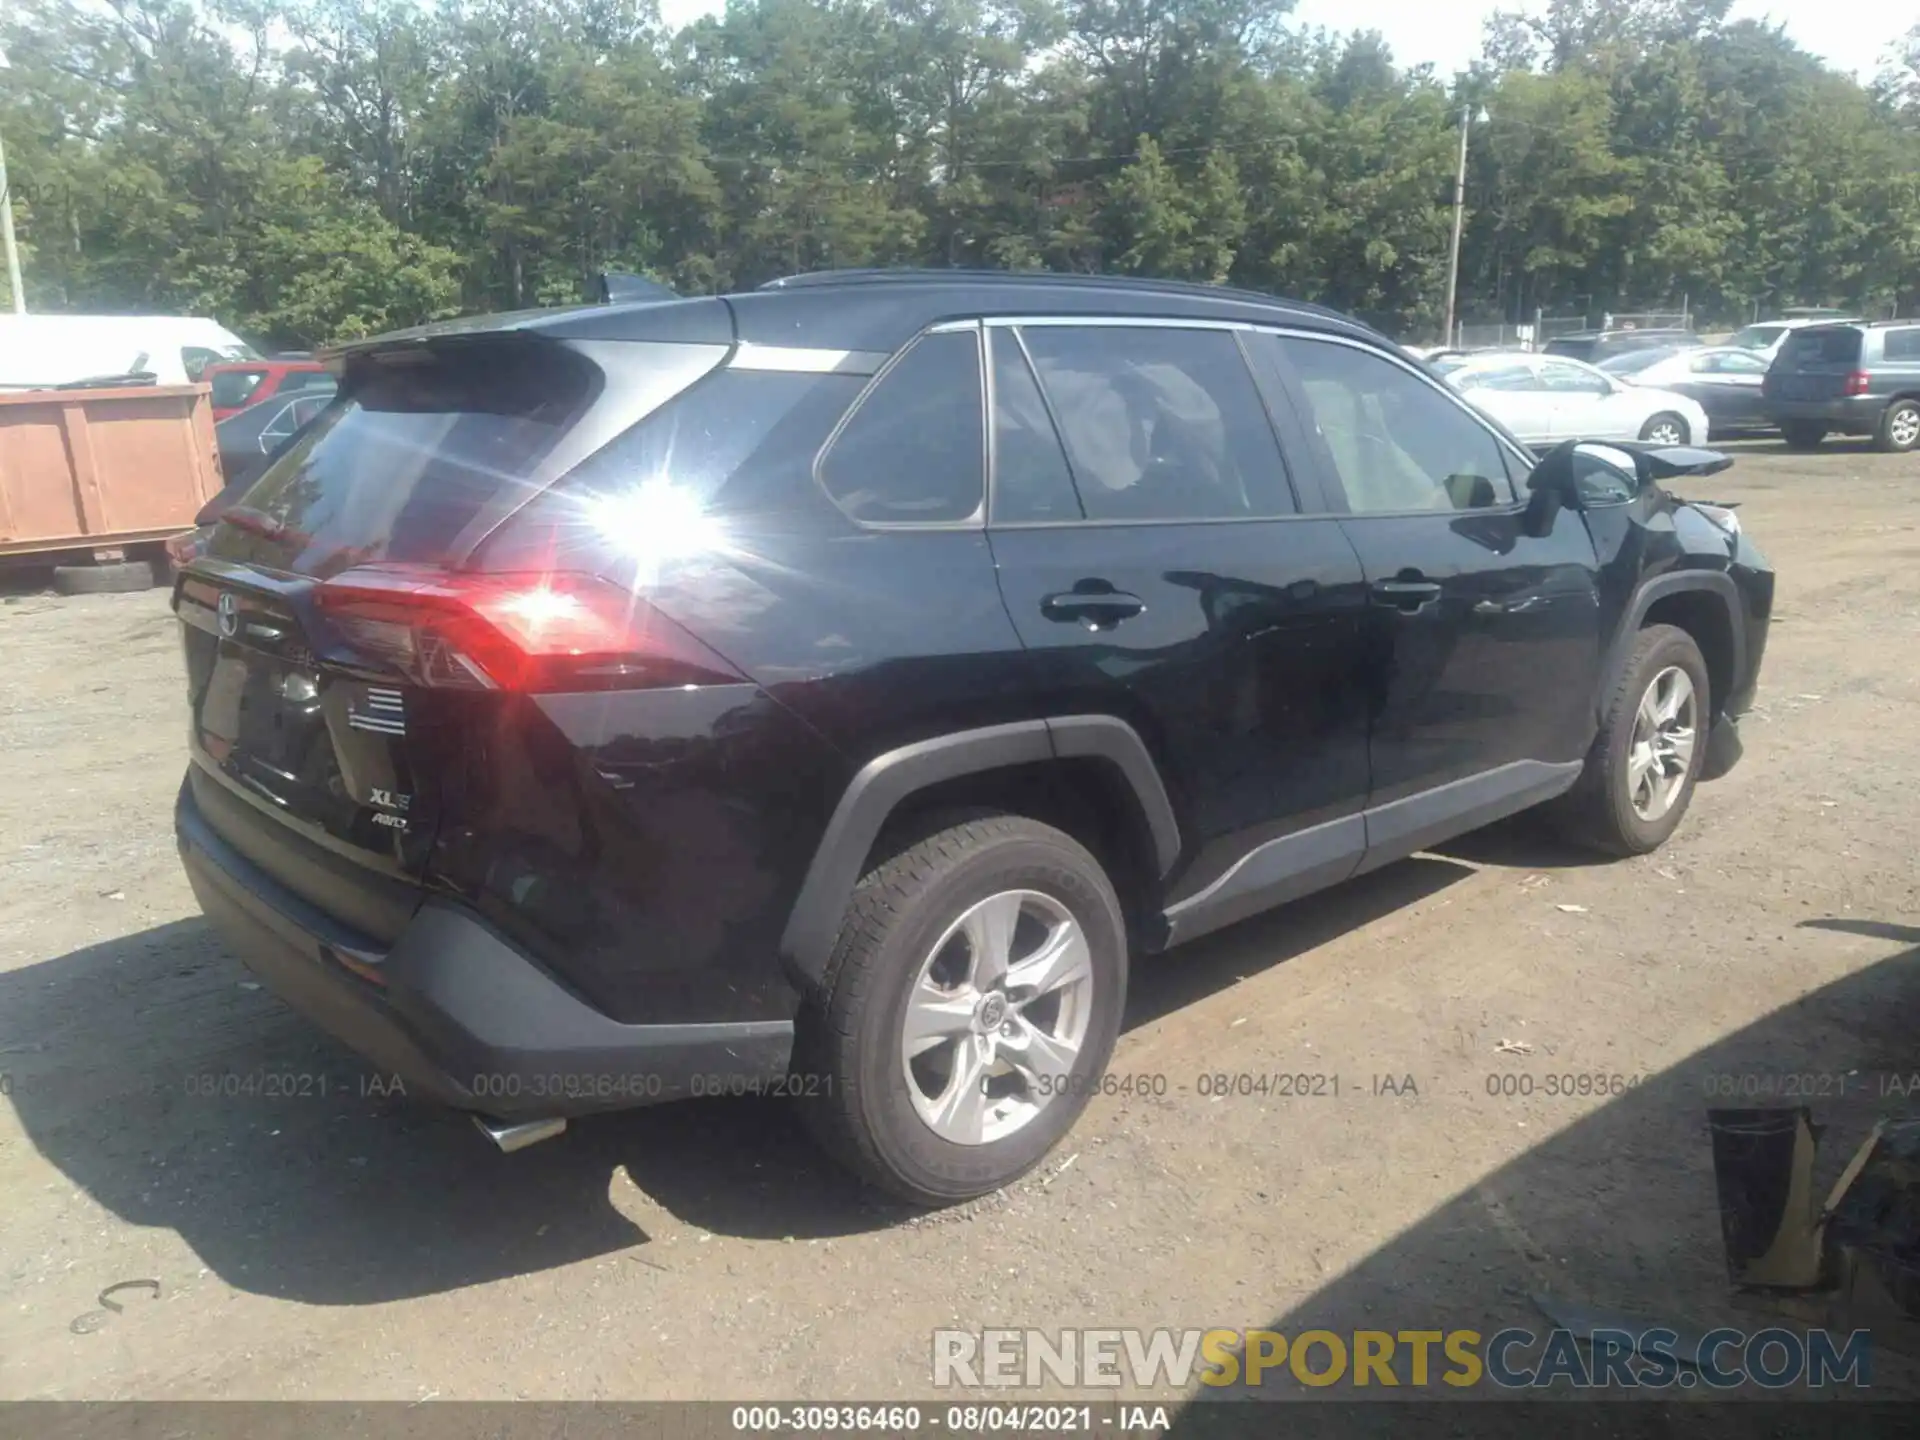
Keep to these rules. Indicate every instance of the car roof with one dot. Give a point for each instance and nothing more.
(879, 310)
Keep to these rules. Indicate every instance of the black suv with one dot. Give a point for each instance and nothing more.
(825, 689)
(1858, 379)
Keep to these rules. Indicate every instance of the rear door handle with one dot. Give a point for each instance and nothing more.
(1097, 609)
(1408, 595)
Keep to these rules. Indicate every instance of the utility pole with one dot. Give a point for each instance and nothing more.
(6, 238)
(1467, 118)
(14, 283)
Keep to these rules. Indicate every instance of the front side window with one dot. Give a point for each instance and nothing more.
(914, 450)
(1160, 423)
(1395, 441)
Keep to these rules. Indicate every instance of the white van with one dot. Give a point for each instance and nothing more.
(41, 350)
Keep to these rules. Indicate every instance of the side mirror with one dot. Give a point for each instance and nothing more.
(1579, 474)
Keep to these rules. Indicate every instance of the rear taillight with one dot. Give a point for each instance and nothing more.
(183, 549)
(542, 633)
(1857, 383)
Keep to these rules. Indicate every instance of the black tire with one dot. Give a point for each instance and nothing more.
(1598, 812)
(1802, 434)
(103, 579)
(1903, 417)
(848, 1050)
(1667, 417)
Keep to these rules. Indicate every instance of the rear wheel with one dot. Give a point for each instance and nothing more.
(1899, 427)
(1803, 434)
(1641, 771)
(1665, 428)
(973, 998)
(112, 579)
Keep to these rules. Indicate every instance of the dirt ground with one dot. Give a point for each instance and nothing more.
(354, 1246)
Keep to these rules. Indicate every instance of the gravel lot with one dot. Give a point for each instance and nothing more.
(355, 1246)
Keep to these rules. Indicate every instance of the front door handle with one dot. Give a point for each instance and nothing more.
(1096, 609)
(1407, 595)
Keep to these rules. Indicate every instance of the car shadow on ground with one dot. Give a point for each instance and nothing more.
(1619, 1210)
(176, 1093)
(1526, 841)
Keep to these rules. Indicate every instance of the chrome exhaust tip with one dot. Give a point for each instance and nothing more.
(512, 1135)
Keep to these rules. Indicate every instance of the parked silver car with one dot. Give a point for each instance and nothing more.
(1544, 399)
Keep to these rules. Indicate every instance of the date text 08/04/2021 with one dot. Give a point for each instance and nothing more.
(1053, 1418)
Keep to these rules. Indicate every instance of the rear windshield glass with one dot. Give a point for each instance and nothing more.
(1573, 349)
(231, 388)
(415, 449)
(1823, 347)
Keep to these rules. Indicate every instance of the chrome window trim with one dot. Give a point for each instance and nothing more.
(1117, 322)
(806, 360)
(1016, 323)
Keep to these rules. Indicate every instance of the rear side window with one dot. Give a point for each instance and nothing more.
(423, 441)
(233, 388)
(1839, 346)
(1031, 481)
(914, 450)
(1903, 344)
(1567, 379)
(1395, 441)
(1160, 423)
(1517, 376)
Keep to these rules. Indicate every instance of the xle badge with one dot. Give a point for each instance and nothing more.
(391, 801)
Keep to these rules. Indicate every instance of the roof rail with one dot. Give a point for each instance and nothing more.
(875, 275)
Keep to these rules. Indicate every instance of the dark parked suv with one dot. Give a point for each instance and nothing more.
(1858, 379)
(826, 689)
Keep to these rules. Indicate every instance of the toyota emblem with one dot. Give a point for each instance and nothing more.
(229, 613)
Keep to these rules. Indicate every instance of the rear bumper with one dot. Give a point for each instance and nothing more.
(1853, 415)
(454, 1010)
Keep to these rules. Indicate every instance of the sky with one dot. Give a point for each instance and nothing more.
(1447, 32)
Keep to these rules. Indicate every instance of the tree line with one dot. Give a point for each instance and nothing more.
(310, 170)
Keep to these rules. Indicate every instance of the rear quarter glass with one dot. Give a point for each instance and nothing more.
(728, 459)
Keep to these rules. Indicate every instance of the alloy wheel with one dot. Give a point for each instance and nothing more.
(1903, 427)
(996, 1017)
(1665, 433)
(1660, 756)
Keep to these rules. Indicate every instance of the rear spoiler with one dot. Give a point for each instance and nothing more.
(609, 287)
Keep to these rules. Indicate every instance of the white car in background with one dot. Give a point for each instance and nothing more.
(1765, 337)
(1544, 399)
